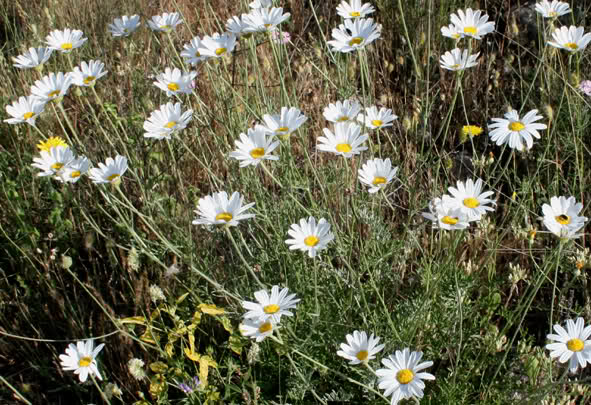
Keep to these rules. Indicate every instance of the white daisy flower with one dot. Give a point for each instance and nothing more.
(562, 218)
(354, 34)
(514, 131)
(402, 377)
(124, 26)
(261, 3)
(52, 162)
(451, 31)
(51, 87)
(257, 329)
(573, 344)
(26, 109)
(72, 171)
(469, 199)
(360, 349)
(88, 73)
(377, 174)
(270, 307)
(168, 120)
(344, 111)
(570, 39)
(354, 9)
(284, 123)
(217, 45)
(216, 209)
(81, 359)
(472, 23)
(375, 119)
(165, 22)
(552, 10)
(309, 236)
(175, 82)
(191, 52)
(65, 41)
(255, 147)
(346, 140)
(265, 19)
(239, 26)
(32, 58)
(457, 60)
(446, 216)
(110, 171)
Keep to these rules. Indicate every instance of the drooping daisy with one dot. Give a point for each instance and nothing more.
(270, 307)
(377, 174)
(572, 39)
(310, 236)
(88, 73)
(552, 10)
(191, 52)
(32, 58)
(257, 329)
(26, 109)
(52, 142)
(346, 140)
(456, 60)
(514, 131)
(216, 209)
(284, 123)
(402, 377)
(65, 41)
(239, 26)
(451, 31)
(175, 82)
(562, 217)
(354, 34)
(376, 119)
(354, 9)
(472, 23)
(81, 359)
(446, 216)
(110, 171)
(347, 110)
(217, 45)
(573, 344)
(360, 349)
(261, 3)
(469, 199)
(51, 87)
(255, 147)
(52, 162)
(165, 22)
(72, 172)
(169, 119)
(265, 19)
(124, 26)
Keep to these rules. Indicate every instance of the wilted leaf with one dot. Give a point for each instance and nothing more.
(158, 367)
(211, 309)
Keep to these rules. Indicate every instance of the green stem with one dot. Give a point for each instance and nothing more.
(248, 266)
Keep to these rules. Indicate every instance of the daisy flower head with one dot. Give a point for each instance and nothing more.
(472, 23)
(124, 26)
(346, 140)
(168, 120)
(52, 161)
(261, 4)
(572, 344)
(360, 349)
(402, 377)
(310, 236)
(52, 142)
(354, 34)
(470, 199)
(65, 41)
(239, 26)
(376, 119)
(445, 216)
(571, 39)
(175, 82)
(72, 172)
(562, 217)
(514, 131)
(165, 22)
(81, 359)
(257, 329)
(217, 209)
(456, 60)
(88, 73)
(34, 57)
(191, 52)
(51, 87)
(284, 123)
(265, 19)
(344, 111)
(254, 147)
(377, 174)
(552, 10)
(217, 45)
(270, 307)
(110, 171)
(354, 9)
(452, 31)
(26, 109)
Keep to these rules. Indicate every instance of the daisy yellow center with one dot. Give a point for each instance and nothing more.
(449, 220)
(85, 361)
(516, 126)
(125, 30)
(362, 355)
(563, 219)
(54, 93)
(405, 376)
(89, 79)
(268, 25)
(113, 177)
(282, 129)
(266, 327)
(271, 308)
(27, 115)
(311, 241)
(170, 124)
(471, 130)
(355, 14)
(66, 46)
(470, 30)
(75, 174)
(575, 345)
(224, 216)
(343, 118)
(571, 45)
(343, 148)
(355, 41)
(552, 14)
(455, 36)
(377, 123)
(455, 66)
(378, 180)
(257, 153)
(57, 166)
(173, 86)
(220, 51)
(471, 202)
(165, 27)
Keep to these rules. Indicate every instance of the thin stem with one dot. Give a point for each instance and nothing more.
(407, 37)
(270, 174)
(248, 267)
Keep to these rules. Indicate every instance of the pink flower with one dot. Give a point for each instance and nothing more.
(281, 37)
(585, 87)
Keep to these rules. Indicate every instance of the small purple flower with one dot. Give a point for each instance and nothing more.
(190, 386)
(585, 87)
(281, 37)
